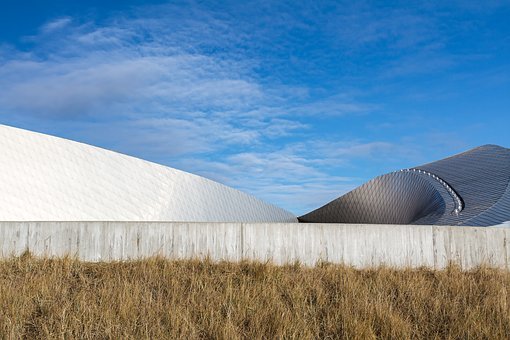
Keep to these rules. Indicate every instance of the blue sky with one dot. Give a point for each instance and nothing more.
(294, 102)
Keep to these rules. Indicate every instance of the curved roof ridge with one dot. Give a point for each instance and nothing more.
(467, 152)
(104, 149)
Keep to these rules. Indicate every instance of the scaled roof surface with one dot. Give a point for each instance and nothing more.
(471, 188)
(46, 178)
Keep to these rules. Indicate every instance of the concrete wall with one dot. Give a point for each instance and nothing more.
(357, 245)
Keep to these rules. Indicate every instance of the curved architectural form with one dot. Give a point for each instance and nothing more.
(45, 178)
(471, 188)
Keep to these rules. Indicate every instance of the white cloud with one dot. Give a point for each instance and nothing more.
(55, 25)
(94, 83)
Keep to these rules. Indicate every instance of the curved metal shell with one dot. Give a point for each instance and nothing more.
(471, 188)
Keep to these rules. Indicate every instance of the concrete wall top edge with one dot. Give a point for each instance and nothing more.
(291, 224)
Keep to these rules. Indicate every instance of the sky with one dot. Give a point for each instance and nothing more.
(295, 102)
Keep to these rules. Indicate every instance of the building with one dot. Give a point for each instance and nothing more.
(471, 188)
(45, 178)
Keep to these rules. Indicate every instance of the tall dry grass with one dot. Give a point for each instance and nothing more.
(156, 298)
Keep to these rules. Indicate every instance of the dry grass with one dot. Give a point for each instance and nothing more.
(157, 298)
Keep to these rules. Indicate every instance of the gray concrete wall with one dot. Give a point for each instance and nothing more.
(361, 246)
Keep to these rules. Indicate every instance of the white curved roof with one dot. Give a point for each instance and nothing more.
(46, 178)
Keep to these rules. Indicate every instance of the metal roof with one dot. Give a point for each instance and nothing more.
(471, 188)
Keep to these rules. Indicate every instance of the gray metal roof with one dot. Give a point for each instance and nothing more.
(471, 188)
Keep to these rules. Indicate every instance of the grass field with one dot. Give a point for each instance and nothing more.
(157, 298)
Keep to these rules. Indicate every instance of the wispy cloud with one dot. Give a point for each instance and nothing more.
(55, 25)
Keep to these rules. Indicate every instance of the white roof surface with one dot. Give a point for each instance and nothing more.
(46, 178)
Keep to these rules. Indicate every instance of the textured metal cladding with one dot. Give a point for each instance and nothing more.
(481, 177)
(471, 188)
(53, 179)
(397, 198)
